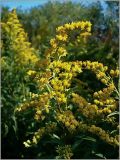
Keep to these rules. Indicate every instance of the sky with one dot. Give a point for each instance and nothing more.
(26, 4)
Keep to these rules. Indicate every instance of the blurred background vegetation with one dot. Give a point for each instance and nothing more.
(40, 23)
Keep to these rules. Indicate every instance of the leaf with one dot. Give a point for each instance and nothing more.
(29, 133)
(76, 144)
(49, 87)
(6, 130)
(89, 139)
(15, 129)
(114, 113)
(15, 124)
(78, 141)
(114, 131)
(70, 106)
(55, 136)
(53, 140)
(100, 155)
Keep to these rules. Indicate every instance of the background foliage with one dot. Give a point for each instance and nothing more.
(40, 23)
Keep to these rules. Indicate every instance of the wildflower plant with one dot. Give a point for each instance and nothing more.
(60, 107)
(15, 40)
(16, 59)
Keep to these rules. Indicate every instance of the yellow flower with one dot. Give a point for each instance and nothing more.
(31, 72)
(23, 53)
(27, 143)
(53, 43)
(62, 37)
(112, 72)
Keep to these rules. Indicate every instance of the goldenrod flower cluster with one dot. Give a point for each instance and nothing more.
(98, 69)
(61, 80)
(88, 110)
(49, 128)
(42, 79)
(68, 119)
(83, 26)
(103, 135)
(43, 106)
(103, 99)
(56, 92)
(99, 132)
(64, 152)
(31, 72)
(62, 36)
(115, 73)
(93, 111)
(23, 52)
(106, 92)
(40, 103)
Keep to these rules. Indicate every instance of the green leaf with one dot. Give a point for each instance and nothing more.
(114, 131)
(89, 139)
(100, 155)
(114, 113)
(49, 87)
(77, 144)
(55, 136)
(70, 106)
(6, 130)
(15, 124)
